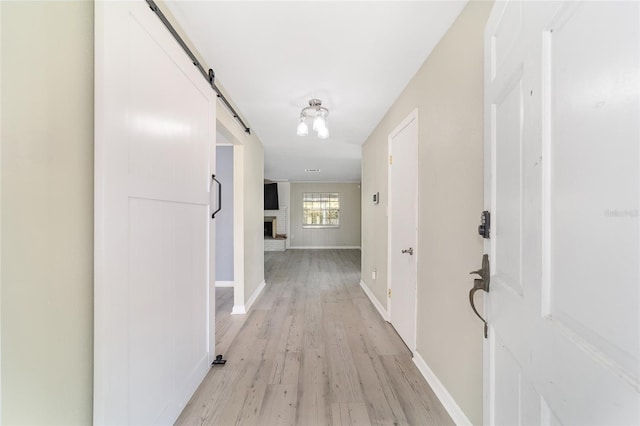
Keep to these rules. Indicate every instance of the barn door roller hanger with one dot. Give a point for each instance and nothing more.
(209, 76)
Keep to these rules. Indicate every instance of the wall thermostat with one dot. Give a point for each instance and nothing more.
(376, 198)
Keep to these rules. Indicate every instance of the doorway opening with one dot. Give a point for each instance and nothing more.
(229, 261)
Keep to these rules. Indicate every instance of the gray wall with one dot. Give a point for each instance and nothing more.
(448, 92)
(47, 212)
(348, 235)
(224, 218)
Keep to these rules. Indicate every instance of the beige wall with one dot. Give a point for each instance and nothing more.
(448, 91)
(348, 235)
(374, 216)
(47, 212)
(253, 215)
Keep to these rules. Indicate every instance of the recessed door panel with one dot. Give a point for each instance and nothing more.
(165, 133)
(507, 385)
(507, 235)
(594, 178)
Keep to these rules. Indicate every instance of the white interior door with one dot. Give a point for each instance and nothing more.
(562, 177)
(403, 226)
(155, 148)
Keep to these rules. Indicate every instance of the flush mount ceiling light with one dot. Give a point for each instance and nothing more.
(316, 112)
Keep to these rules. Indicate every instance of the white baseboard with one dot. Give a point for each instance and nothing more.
(325, 248)
(255, 295)
(238, 310)
(225, 283)
(383, 312)
(441, 392)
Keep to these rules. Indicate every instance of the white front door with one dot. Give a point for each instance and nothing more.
(403, 226)
(155, 150)
(562, 117)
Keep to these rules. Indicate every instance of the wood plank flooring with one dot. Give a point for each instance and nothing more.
(227, 325)
(313, 351)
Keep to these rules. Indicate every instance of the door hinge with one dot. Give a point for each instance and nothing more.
(389, 293)
(391, 159)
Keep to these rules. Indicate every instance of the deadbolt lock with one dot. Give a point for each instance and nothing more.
(485, 224)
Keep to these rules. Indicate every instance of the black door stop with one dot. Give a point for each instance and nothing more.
(219, 360)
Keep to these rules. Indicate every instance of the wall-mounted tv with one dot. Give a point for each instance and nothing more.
(271, 196)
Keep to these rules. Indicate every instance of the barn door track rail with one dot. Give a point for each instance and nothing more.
(209, 76)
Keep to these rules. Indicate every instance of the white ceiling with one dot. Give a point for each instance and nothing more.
(272, 57)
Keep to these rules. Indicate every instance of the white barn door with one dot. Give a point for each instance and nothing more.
(155, 148)
(562, 103)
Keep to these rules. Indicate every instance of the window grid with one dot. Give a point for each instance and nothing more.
(321, 210)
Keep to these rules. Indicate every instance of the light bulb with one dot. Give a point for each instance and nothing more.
(323, 133)
(318, 122)
(303, 129)
(322, 126)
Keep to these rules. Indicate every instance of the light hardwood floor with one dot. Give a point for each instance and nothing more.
(313, 351)
(227, 325)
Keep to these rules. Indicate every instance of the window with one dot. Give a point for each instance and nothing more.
(320, 210)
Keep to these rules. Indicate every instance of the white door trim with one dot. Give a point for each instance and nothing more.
(227, 125)
(413, 116)
(0, 218)
(487, 367)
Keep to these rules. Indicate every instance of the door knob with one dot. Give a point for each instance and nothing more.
(409, 250)
(481, 283)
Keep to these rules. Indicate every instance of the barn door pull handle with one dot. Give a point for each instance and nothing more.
(481, 283)
(219, 196)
